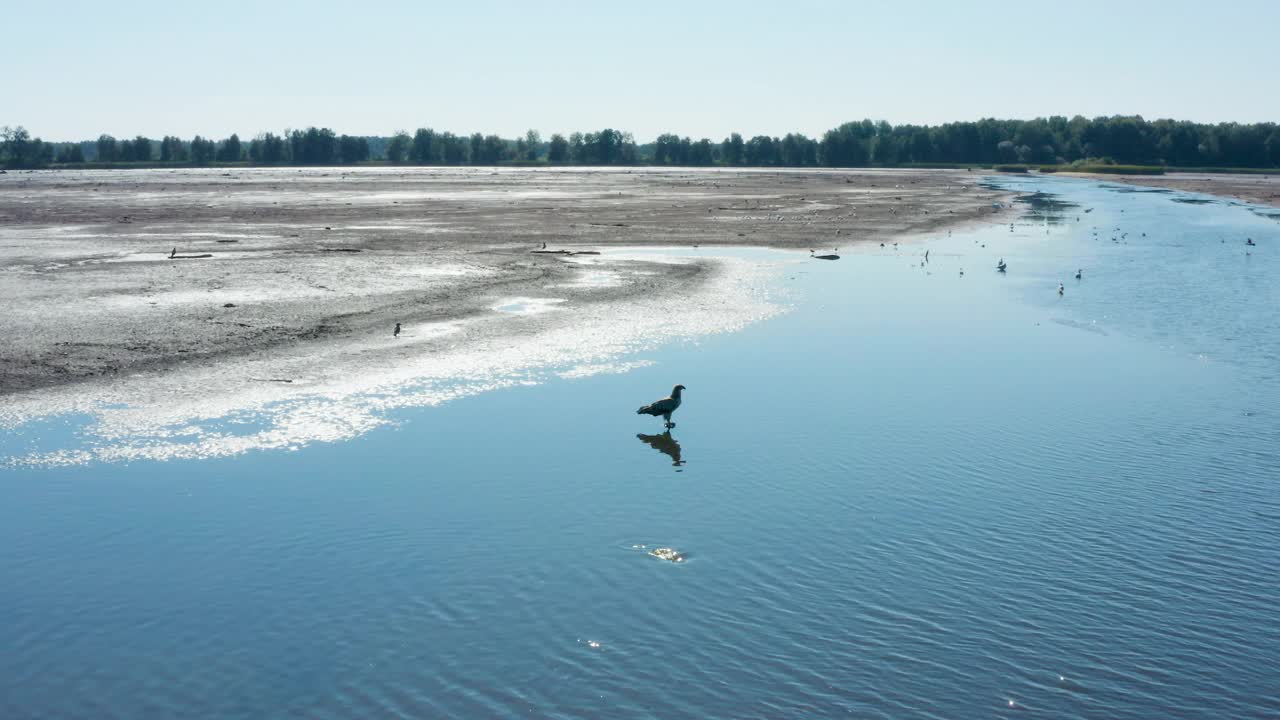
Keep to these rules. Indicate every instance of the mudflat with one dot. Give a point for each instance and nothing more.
(124, 273)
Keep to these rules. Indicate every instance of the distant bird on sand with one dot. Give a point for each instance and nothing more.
(664, 407)
(396, 332)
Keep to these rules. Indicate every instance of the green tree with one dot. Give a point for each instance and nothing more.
(702, 152)
(426, 151)
(494, 150)
(761, 150)
(231, 150)
(732, 150)
(608, 147)
(456, 149)
(268, 149)
(532, 145)
(848, 145)
(666, 149)
(142, 149)
(18, 149)
(314, 146)
(71, 153)
(1128, 139)
(202, 150)
(108, 149)
(796, 150)
(398, 148)
(173, 149)
(558, 151)
(353, 149)
(577, 148)
(1272, 145)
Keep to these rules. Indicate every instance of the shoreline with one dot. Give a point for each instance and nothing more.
(1255, 189)
(288, 397)
(328, 258)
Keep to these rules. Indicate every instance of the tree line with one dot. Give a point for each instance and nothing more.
(1048, 141)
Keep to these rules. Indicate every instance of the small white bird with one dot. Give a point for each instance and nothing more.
(664, 407)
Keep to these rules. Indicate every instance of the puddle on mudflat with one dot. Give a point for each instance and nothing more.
(527, 306)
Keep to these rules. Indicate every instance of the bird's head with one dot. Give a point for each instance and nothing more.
(677, 389)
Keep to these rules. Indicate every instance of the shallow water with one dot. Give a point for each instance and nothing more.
(917, 494)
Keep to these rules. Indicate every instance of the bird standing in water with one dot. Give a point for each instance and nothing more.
(1061, 289)
(664, 407)
(396, 332)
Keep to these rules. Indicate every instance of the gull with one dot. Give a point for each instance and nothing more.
(664, 407)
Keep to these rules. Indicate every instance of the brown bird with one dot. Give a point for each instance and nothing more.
(664, 407)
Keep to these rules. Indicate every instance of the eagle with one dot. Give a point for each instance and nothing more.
(664, 407)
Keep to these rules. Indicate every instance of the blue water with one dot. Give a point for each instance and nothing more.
(915, 495)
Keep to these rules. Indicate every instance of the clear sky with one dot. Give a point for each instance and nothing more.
(73, 70)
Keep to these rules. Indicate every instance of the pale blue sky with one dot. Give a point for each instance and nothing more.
(76, 69)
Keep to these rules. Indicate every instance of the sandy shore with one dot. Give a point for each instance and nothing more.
(1258, 189)
(311, 261)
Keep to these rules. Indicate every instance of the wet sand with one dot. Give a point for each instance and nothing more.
(1258, 189)
(321, 263)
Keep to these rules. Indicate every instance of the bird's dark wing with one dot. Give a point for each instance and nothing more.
(661, 407)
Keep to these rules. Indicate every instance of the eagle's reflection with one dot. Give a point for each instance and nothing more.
(664, 444)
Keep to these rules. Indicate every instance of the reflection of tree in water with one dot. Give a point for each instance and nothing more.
(664, 444)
